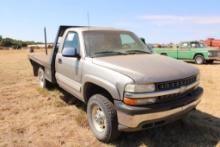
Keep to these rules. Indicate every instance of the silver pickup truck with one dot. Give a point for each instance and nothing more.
(125, 87)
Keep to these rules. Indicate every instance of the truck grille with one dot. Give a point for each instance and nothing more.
(214, 53)
(169, 85)
(172, 97)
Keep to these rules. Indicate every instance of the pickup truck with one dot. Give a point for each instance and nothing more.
(191, 51)
(124, 86)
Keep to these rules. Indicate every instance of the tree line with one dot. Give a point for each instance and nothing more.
(16, 44)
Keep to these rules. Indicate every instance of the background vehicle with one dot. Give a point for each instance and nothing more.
(212, 42)
(192, 51)
(125, 87)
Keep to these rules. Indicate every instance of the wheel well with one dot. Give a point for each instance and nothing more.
(35, 67)
(197, 55)
(91, 89)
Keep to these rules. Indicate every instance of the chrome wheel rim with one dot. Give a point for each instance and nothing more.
(98, 118)
(199, 60)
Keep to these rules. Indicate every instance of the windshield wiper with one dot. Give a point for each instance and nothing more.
(110, 52)
(137, 51)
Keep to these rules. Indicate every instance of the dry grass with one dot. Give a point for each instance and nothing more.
(30, 116)
(81, 119)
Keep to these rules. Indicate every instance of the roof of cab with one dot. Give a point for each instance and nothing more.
(63, 28)
(92, 28)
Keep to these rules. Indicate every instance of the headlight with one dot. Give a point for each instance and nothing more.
(140, 88)
(209, 54)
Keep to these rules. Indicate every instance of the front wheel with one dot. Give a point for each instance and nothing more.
(102, 118)
(199, 59)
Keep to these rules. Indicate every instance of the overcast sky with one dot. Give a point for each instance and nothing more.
(161, 21)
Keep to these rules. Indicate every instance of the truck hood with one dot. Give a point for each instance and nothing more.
(212, 48)
(147, 68)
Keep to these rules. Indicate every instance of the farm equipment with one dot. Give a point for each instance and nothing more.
(212, 42)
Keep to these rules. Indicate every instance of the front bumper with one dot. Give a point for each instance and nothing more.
(214, 58)
(136, 118)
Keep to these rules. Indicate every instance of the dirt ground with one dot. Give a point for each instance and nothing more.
(30, 116)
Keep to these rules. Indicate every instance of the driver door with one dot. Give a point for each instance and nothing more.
(184, 51)
(68, 65)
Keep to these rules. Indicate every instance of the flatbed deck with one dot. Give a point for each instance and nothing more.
(40, 58)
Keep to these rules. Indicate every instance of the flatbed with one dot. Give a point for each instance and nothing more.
(41, 58)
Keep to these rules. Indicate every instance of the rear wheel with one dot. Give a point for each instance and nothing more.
(41, 77)
(199, 59)
(102, 118)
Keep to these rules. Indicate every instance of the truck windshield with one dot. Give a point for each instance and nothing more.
(109, 43)
(197, 45)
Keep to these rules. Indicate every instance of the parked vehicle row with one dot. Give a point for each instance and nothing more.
(124, 85)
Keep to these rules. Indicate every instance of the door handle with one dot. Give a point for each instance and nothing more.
(59, 60)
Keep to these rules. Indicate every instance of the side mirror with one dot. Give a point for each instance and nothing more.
(143, 40)
(71, 52)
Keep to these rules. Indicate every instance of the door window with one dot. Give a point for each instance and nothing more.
(71, 44)
(184, 45)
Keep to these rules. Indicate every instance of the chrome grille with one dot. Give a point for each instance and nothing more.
(214, 53)
(169, 85)
(172, 97)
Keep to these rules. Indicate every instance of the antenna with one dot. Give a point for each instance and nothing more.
(88, 19)
(45, 39)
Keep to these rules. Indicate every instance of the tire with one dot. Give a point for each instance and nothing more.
(41, 78)
(164, 54)
(102, 118)
(210, 61)
(199, 59)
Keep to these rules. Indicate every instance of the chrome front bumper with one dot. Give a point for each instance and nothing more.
(132, 121)
(136, 121)
(214, 58)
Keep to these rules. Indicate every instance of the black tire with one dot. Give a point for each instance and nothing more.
(210, 61)
(41, 78)
(110, 131)
(199, 59)
(164, 54)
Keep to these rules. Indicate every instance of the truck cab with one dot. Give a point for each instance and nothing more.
(124, 85)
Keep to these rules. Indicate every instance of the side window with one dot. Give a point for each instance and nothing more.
(71, 44)
(184, 45)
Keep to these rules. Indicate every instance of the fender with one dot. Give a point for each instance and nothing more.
(110, 87)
